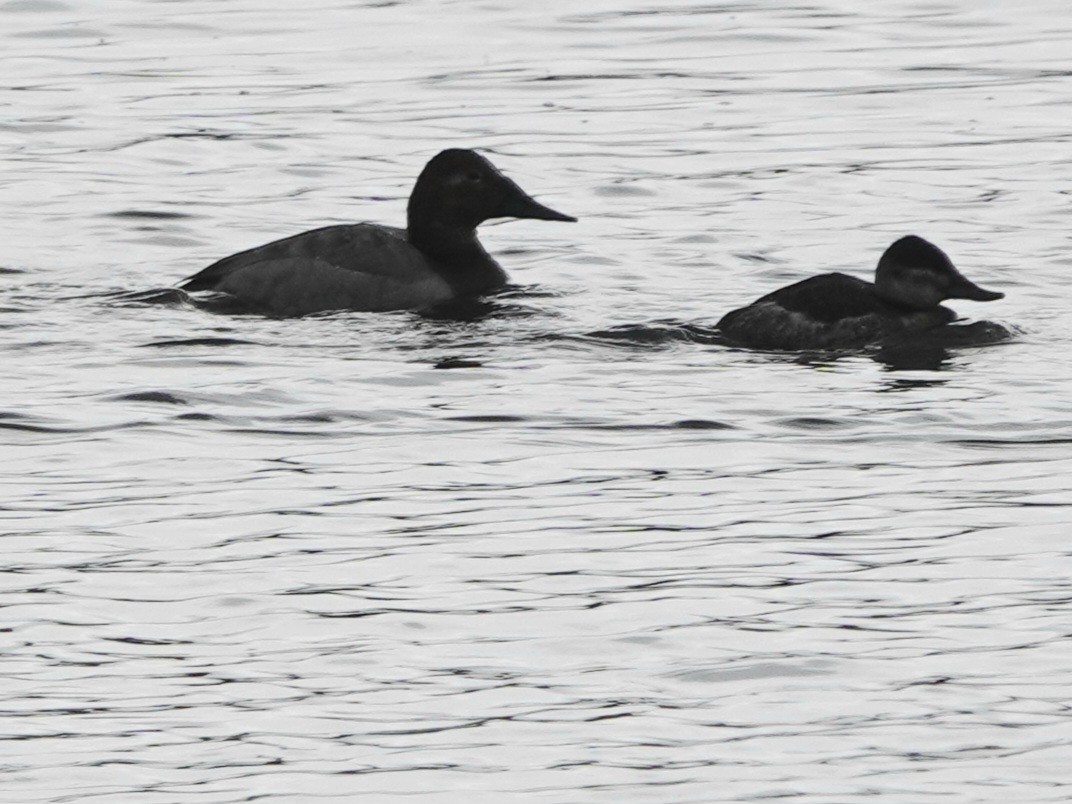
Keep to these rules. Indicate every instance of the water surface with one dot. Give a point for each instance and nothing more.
(565, 548)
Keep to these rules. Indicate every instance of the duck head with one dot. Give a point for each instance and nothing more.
(916, 273)
(460, 189)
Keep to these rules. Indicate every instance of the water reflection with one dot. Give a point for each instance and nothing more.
(469, 311)
(913, 357)
(932, 351)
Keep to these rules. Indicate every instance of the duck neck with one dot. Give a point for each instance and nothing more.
(458, 255)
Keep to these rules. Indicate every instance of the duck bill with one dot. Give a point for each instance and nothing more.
(964, 288)
(518, 204)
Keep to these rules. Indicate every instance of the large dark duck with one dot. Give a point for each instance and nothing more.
(364, 266)
(837, 311)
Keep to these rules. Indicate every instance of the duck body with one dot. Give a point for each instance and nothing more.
(828, 311)
(436, 259)
(839, 311)
(360, 266)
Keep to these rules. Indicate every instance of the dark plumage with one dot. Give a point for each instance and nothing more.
(437, 258)
(836, 310)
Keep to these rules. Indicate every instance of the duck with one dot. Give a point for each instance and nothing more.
(839, 311)
(435, 260)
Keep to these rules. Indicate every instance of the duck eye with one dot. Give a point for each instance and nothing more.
(474, 177)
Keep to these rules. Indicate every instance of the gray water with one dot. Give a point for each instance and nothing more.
(565, 548)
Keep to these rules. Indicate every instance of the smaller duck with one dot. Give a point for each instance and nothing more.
(435, 260)
(838, 311)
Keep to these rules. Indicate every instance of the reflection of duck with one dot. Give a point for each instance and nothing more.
(435, 259)
(833, 311)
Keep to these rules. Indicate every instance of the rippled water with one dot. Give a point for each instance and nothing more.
(563, 548)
